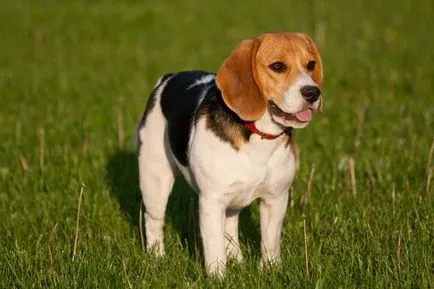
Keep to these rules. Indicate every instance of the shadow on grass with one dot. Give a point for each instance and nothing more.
(182, 209)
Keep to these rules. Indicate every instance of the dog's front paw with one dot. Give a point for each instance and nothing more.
(270, 262)
(235, 256)
(217, 269)
(156, 249)
(233, 252)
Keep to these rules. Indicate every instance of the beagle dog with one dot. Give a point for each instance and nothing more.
(229, 134)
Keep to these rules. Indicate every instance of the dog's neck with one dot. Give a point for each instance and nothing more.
(268, 126)
(266, 146)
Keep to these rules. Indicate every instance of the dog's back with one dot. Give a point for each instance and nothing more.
(172, 106)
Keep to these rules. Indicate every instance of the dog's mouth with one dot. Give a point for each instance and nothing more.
(303, 116)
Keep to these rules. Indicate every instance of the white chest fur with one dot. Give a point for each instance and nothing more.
(260, 169)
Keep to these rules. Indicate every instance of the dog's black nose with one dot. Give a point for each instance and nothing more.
(310, 92)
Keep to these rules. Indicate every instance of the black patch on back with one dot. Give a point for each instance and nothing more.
(179, 102)
(222, 121)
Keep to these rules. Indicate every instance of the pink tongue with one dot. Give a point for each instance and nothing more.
(305, 115)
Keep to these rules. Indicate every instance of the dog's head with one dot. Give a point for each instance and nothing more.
(281, 72)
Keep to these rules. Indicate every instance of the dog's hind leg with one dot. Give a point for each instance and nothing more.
(156, 173)
(156, 182)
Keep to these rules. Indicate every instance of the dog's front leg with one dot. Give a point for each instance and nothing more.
(212, 221)
(272, 212)
(232, 244)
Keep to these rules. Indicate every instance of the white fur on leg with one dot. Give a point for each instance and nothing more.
(156, 181)
(233, 249)
(156, 175)
(272, 212)
(212, 221)
(154, 235)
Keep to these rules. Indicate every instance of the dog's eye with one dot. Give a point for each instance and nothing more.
(311, 65)
(278, 67)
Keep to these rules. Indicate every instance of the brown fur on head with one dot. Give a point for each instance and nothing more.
(247, 80)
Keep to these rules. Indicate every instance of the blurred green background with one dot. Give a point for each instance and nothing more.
(74, 79)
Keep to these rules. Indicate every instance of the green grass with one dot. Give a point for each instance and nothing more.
(75, 70)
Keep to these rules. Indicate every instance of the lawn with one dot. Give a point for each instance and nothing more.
(74, 79)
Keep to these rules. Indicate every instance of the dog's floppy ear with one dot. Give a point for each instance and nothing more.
(237, 84)
(317, 74)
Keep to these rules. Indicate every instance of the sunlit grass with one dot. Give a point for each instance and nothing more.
(81, 72)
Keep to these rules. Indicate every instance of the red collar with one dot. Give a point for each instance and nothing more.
(252, 127)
